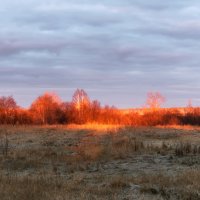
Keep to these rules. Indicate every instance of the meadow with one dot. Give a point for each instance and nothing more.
(99, 162)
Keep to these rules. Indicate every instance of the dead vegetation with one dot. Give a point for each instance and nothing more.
(58, 162)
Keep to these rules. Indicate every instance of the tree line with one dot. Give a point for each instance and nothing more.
(49, 109)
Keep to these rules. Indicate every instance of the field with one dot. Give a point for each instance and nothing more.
(99, 162)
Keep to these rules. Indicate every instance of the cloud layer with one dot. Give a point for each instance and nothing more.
(117, 50)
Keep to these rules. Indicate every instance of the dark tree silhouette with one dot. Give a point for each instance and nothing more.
(8, 109)
(7, 103)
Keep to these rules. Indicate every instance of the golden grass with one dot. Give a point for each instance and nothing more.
(95, 126)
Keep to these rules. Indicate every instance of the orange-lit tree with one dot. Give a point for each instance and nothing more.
(46, 109)
(154, 116)
(69, 112)
(95, 108)
(81, 103)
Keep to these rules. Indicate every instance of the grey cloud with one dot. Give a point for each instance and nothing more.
(180, 30)
(112, 49)
(14, 47)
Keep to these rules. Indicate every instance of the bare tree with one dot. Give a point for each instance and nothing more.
(81, 103)
(80, 99)
(155, 100)
(8, 107)
(7, 103)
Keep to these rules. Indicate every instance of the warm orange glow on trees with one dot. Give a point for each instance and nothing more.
(81, 103)
(80, 99)
(69, 112)
(95, 108)
(49, 109)
(46, 109)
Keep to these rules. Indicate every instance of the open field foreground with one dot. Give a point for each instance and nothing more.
(60, 163)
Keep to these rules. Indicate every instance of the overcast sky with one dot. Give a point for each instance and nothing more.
(117, 50)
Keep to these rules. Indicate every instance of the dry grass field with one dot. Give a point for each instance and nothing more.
(99, 162)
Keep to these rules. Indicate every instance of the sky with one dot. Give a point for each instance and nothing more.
(116, 50)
